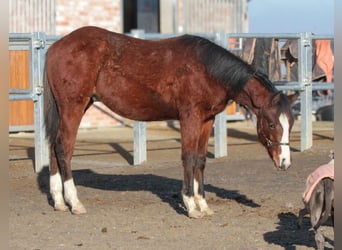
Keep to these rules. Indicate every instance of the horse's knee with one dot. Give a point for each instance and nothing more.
(201, 161)
(189, 160)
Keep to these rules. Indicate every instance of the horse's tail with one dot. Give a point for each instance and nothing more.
(328, 185)
(51, 114)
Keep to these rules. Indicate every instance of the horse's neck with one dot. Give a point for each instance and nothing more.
(254, 95)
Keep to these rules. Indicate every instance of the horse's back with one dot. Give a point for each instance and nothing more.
(138, 79)
(84, 45)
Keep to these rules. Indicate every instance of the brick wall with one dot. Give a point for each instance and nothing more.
(98, 115)
(72, 14)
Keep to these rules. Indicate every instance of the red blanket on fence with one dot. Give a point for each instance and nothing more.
(324, 171)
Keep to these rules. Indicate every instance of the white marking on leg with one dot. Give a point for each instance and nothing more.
(284, 156)
(70, 193)
(189, 203)
(200, 201)
(56, 190)
(196, 187)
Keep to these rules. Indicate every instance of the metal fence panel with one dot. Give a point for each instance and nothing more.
(32, 16)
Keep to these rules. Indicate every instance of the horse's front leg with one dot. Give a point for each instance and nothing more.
(199, 169)
(199, 193)
(189, 161)
(194, 144)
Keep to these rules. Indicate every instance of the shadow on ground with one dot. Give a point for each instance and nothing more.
(167, 189)
(288, 235)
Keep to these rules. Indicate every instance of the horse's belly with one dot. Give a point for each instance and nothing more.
(141, 109)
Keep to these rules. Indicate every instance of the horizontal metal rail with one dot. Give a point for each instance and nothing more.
(297, 87)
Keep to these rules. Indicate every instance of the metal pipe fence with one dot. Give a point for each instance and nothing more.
(37, 44)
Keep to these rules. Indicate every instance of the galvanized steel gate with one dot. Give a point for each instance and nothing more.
(38, 42)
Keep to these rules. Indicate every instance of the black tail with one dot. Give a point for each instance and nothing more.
(328, 199)
(51, 114)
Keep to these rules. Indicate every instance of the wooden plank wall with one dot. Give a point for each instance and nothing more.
(20, 112)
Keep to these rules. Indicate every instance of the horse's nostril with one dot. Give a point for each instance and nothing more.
(284, 165)
(283, 162)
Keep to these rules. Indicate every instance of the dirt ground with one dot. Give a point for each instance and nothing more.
(140, 207)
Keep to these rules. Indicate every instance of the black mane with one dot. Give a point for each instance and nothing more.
(265, 80)
(223, 65)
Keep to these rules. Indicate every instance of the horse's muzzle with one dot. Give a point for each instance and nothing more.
(284, 164)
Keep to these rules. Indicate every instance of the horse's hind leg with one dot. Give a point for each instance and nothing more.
(56, 184)
(70, 117)
(316, 204)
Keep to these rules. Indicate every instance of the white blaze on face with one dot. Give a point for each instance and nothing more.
(284, 156)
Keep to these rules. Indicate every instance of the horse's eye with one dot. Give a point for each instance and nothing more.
(271, 125)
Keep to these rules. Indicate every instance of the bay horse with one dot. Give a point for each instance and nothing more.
(185, 78)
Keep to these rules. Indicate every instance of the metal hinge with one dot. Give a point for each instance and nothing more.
(37, 92)
(39, 44)
(306, 42)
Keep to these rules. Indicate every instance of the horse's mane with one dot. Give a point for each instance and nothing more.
(223, 65)
(265, 80)
(283, 101)
(229, 69)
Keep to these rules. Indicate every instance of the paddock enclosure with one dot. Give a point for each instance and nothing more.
(140, 207)
(37, 43)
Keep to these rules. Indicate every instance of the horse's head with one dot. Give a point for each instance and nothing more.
(274, 123)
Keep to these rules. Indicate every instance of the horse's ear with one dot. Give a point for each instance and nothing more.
(275, 98)
(292, 98)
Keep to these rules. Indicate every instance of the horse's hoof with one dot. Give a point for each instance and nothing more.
(78, 210)
(195, 214)
(61, 207)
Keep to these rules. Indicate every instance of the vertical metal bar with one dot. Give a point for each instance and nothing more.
(185, 16)
(139, 128)
(220, 129)
(38, 51)
(305, 80)
(139, 137)
(175, 20)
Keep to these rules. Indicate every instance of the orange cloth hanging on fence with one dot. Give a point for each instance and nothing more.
(325, 58)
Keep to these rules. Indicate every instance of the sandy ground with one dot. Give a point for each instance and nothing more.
(140, 207)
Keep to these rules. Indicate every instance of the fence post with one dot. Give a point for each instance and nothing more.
(38, 52)
(139, 136)
(139, 128)
(220, 128)
(305, 81)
